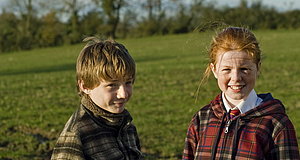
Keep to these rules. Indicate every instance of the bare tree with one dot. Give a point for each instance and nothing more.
(153, 7)
(111, 9)
(24, 9)
(27, 26)
(69, 10)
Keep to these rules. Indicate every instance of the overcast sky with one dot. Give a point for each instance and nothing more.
(280, 5)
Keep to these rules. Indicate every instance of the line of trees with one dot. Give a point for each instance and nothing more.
(27, 24)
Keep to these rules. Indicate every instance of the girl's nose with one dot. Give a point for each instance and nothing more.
(236, 76)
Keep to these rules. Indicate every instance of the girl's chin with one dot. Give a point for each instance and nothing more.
(236, 96)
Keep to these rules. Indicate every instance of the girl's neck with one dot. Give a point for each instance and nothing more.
(232, 102)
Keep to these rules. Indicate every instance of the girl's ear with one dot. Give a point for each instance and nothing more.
(212, 68)
(82, 88)
(258, 69)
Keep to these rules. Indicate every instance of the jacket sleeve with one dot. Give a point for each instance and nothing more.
(68, 147)
(286, 146)
(191, 139)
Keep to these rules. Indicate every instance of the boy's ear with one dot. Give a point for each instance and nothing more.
(212, 68)
(82, 88)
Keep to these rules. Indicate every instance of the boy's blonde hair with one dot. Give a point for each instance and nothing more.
(103, 60)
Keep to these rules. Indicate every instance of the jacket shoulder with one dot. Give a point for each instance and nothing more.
(69, 145)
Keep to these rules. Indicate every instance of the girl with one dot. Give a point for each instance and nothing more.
(238, 123)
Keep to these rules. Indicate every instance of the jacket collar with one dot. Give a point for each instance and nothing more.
(269, 105)
(111, 119)
(218, 106)
(249, 103)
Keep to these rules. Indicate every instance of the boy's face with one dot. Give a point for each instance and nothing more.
(112, 95)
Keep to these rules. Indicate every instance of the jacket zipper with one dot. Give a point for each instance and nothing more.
(225, 135)
(227, 126)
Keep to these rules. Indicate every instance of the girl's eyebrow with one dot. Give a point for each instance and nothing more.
(225, 66)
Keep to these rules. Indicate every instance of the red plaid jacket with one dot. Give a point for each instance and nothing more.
(264, 132)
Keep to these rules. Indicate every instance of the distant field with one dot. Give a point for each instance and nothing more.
(38, 95)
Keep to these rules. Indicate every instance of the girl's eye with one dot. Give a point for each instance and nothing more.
(245, 69)
(226, 69)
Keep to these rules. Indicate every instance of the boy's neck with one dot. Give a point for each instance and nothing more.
(112, 118)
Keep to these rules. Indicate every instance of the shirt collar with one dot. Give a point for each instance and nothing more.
(251, 102)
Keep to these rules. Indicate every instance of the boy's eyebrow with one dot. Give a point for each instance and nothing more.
(117, 80)
(113, 80)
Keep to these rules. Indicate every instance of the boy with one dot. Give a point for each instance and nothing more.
(101, 128)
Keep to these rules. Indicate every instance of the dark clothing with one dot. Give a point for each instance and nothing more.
(264, 132)
(92, 133)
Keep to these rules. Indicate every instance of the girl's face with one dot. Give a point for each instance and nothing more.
(236, 74)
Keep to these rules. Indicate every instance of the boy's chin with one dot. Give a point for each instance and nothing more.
(118, 110)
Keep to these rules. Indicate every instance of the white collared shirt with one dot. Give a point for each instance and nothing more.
(251, 102)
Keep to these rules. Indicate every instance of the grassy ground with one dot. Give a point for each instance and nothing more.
(37, 90)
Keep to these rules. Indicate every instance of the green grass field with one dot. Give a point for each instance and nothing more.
(38, 93)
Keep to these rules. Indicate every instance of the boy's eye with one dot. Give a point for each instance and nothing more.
(129, 82)
(112, 85)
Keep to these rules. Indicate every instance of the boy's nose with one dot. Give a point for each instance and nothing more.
(122, 92)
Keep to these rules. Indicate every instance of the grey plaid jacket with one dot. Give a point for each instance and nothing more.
(87, 136)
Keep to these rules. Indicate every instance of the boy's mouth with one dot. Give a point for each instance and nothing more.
(120, 104)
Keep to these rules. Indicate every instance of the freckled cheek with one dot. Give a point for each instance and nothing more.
(224, 80)
(250, 77)
(223, 84)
